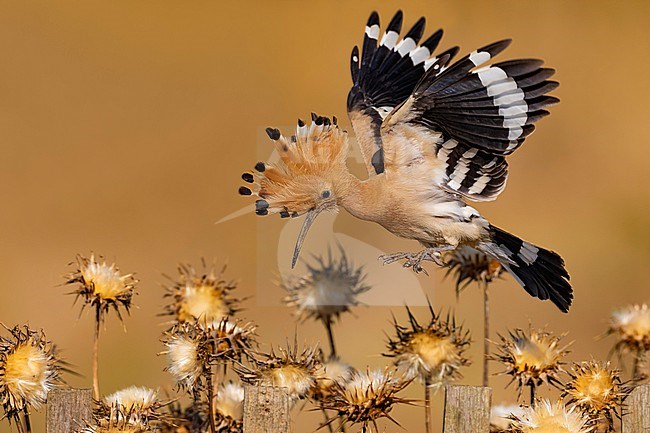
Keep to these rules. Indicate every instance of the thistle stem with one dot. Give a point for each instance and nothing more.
(427, 405)
(28, 424)
(211, 413)
(98, 313)
(330, 336)
(486, 333)
(327, 420)
(635, 365)
(532, 394)
(19, 424)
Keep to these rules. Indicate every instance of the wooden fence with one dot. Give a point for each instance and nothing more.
(266, 410)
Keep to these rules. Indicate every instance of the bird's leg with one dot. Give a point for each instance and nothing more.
(414, 260)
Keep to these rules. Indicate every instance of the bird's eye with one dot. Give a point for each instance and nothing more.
(326, 194)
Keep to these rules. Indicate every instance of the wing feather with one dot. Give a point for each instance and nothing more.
(473, 116)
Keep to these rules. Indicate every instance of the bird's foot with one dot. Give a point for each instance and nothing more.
(414, 260)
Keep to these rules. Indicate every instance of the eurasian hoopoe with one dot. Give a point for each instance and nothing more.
(433, 134)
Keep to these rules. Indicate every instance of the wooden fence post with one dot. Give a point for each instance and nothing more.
(67, 409)
(266, 410)
(636, 413)
(467, 409)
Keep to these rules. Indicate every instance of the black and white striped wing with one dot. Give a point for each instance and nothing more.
(384, 76)
(474, 117)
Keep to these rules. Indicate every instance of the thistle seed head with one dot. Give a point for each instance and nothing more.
(286, 369)
(188, 350)
(597, 390)
(547, 417)
(433, 353)
(367, 396)
(501, 417)
(631, 326)
(204, 298)
(136, 404)
(102, 286)
(328, 375)
(328, 289)
(531, 359)
(469, 265)
(233, 340)
(229, 405)
(29, 369)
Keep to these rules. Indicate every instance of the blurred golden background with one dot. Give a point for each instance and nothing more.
(125, 126)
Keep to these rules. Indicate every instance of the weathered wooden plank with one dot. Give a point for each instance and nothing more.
(636, 414)
(467, 409)
(266, 410)
(67, 409)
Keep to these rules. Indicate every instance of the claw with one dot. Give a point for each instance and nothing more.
(414, 260)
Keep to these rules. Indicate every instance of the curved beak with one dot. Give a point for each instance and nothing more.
(309, 220)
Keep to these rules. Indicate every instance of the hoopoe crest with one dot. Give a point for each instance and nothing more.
(302, 181)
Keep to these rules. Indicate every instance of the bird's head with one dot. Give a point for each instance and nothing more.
(304, 179)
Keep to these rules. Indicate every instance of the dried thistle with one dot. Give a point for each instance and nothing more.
(330, 373)
(191, 419)
(188, 349)
(469, 265)
(233, 339)
(597, 390)
(366, 397)
(547, 417)
(433, 353)
(138, 405)
(102, 286)
(531, 359)
(203, 298)
(115, 425)
(501, 417)
(631, 326)
(286, 369)
(328, 289)
(29, 369)
(229, 408)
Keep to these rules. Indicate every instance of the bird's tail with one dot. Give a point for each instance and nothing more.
(541, 272)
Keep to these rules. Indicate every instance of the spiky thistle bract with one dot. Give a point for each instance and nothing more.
(468, 265)
(233, 339)
(286, 368)
(330, 373)
(203, 296)
(367, 397)
(329, 288)
(102, 286)
(434, 352)
(597, 389)
(29, 369)
(532, 358)
(136, 404)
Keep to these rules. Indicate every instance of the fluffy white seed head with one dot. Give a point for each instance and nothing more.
(632, 326)
(501, 416)
(138, 398)
(26, 374)
(547, 417)
(106, 280)
(183, 359)
(230, 401)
